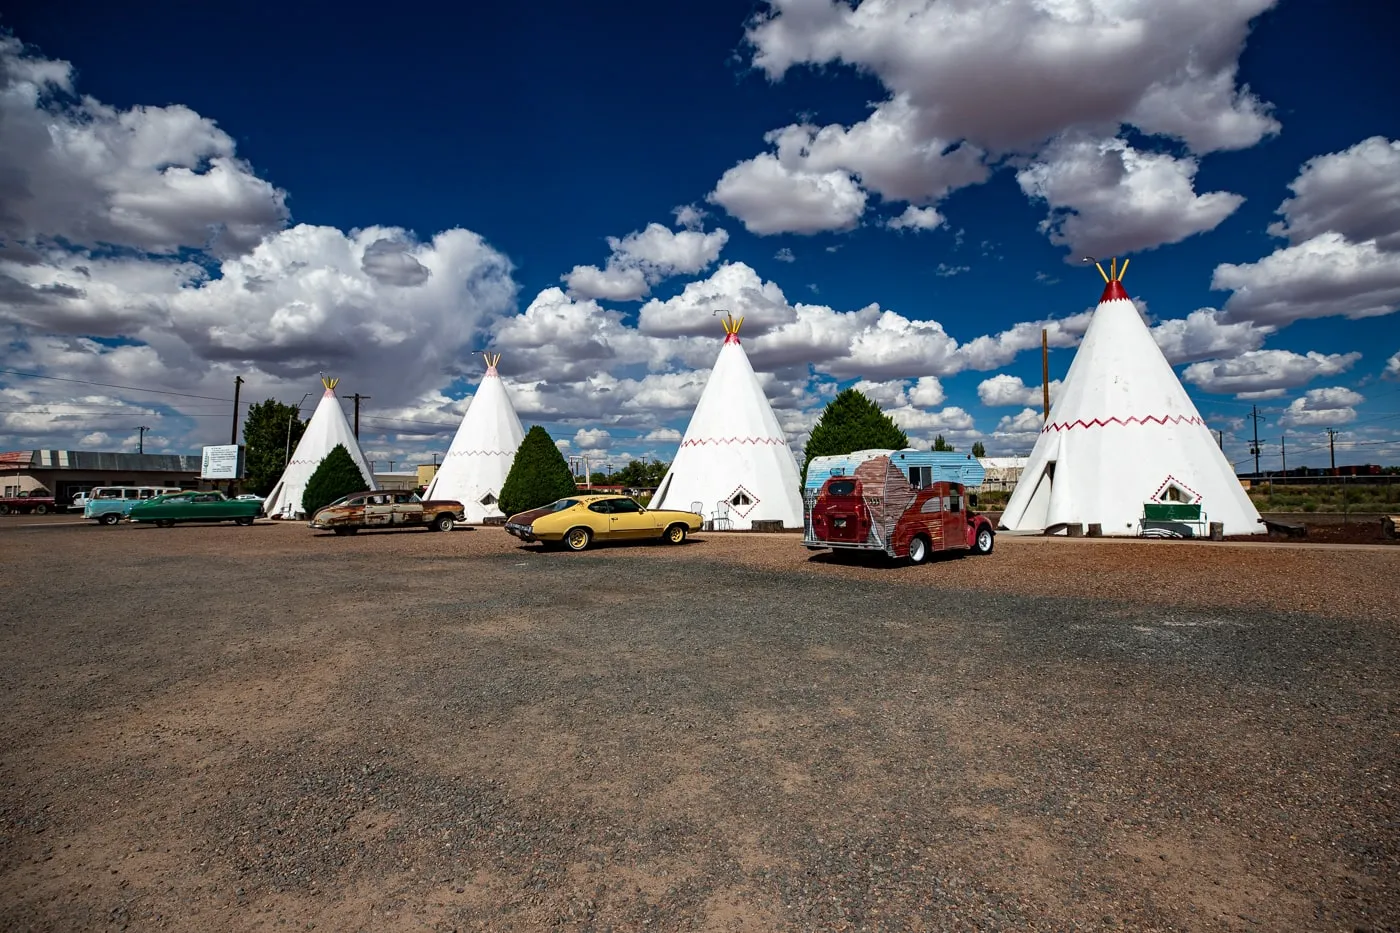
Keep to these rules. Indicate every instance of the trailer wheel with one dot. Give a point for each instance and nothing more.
(918, 550)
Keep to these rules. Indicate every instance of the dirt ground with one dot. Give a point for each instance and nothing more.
(222, 728)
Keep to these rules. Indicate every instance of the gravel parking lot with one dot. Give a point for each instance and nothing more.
(223, 728)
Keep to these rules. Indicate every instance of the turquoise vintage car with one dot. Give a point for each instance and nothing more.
(195, 507)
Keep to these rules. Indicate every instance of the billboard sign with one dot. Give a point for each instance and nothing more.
(224, 461)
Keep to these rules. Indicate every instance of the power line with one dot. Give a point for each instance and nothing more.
(109, 385)
(107, 411)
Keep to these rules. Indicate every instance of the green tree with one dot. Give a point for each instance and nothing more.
(851, 422)
(637, 473)
(940, 444)
(270, 431)
(538, 475)
(338, 475)
(978, 450)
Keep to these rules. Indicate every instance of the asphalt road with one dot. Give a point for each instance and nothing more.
(223, 728)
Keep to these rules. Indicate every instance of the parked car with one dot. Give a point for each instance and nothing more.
(576, 522)
(194, 506)
(80, 502)
(110, 504)
(248, 496)
(388, 509)
(38, 501)
(898, 502)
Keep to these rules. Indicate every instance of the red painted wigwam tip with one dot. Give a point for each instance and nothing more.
(731, 338)
(1113, 290)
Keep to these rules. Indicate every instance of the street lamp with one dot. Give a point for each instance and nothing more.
(288, 454)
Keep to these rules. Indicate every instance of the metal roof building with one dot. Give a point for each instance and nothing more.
(65, 473)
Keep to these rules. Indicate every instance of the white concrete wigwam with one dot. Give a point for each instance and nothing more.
(482, 450)
(734, 451)
(327, 428)
(1123, 433)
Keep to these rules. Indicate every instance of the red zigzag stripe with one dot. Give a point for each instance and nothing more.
(1133, 419)
(483, 453)
(733, 440)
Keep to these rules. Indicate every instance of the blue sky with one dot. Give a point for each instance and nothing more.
(539, 134)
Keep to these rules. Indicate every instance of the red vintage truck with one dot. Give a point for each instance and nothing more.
(907, 503)
(38, 501)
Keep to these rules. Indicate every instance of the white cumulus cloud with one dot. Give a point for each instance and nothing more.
(592, 439)
(969, 82)
(1325, 276)
(1011, 74)
(771, 198)
(1262, 370)
(1004, 390)
(156, 179)
(1355, 193)
(1107, 198)
(1322, 407)
(1343, 257)
(1204, 333)
(916, 218)
(643, 258)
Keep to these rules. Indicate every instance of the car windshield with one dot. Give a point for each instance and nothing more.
(563, 504)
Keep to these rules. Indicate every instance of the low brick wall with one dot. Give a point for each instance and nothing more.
(1324, 518)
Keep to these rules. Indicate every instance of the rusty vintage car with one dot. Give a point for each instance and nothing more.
(387, 509)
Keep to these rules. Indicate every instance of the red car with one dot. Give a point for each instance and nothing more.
(877, 509)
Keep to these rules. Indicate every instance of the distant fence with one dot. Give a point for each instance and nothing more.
(1258, 480)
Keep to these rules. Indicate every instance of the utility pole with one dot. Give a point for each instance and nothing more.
(1256, 418)
(1332, 448)
(237, 384)
(1045, 370)
(1220, 439)
(358, 398)
(141, 439)
(1283, 451)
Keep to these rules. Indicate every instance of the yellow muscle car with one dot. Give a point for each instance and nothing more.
(578, 521)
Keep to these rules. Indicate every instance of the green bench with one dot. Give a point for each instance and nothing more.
(1158, 517)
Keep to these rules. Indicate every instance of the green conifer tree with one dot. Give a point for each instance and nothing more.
(338, 475)
(852, 422)
(538, 475)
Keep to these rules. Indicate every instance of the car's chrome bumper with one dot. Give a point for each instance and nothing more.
(523, 532)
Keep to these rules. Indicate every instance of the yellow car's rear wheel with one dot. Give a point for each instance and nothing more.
(577, 539)
(675, 534)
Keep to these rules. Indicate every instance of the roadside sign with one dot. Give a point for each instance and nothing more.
(224, 461)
